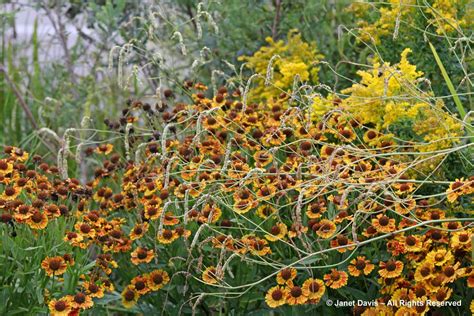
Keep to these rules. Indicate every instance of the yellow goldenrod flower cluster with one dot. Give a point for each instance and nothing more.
(445, 16)
(290, 59)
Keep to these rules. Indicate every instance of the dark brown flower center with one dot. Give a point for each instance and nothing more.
(286, 274)
(404, 187)
(371, 135)
(425, 271)
(411, 241)
(314, 287)
(346, 133)
(116, 234)
(326, 228)
(85, 228)
(129, 295)
(384, 220)
(305, 145)
(37, 217)
(138, 230)
(360, 264)
(140, 285)
(9, 191)
(437, 281)
(93, 288)
(244, 195)
(157, 279)
(420, 292)
(3, 165)
(449, 271)
(371, 230)
(457, 185)
(335, 276)
(71, 235)
(342, 240)
(441, 296)
(435, 216)
(391, 266)
(436, 235)
(142, 254)
(54, 264)
(60, 306)
(453, 225)
(329, 150)
(79, 298)
(439, 257)
(167, 234)
(277, 295)
(275, 230)
(296, 291)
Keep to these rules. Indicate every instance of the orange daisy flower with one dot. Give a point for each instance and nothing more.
(157, 279)
(210, 214)
(424, 271)
(442, 294)
(342, 240)
(81, 301)
(313, 289)
(286, 276)
(360, 266)
(276, 296)
(277, 232)
(324, 229)
(455, 190)
(60, 307)
(6, 167)
(167, 236)
(265, 211)
(104, 149)
(336, 279)
(10, 193)
(152, 212)
(142, 255)
(140, 284)
(139, 231)
(262, 158)
(170, 220)
(413, 243)
(403, 294)
(315, 210)
(94, 290)
(37, 220)
(210, 275)
(461, 240)
(295, 296)
(129, 297)
(439, 257)
(383, 223)
(390, 269)
(54, 266)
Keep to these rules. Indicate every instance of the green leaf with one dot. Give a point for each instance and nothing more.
(450, 85)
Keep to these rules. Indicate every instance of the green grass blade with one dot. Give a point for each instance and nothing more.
(450, 85)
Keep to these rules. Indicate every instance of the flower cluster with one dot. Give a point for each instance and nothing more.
(446, 16)
(287, 292)
(143, 284)
(216, 185)
(293, 59)
(389, 96)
